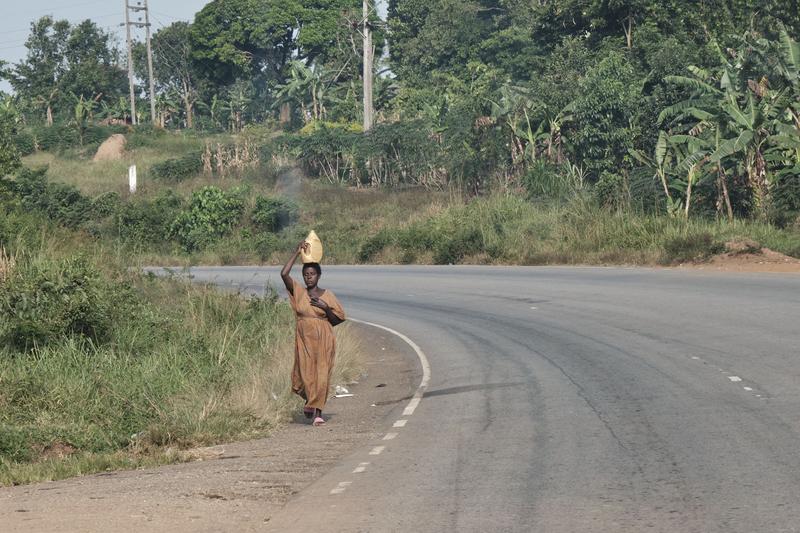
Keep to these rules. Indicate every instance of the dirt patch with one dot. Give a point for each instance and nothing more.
(233, 487)
(112, 149)
(56, 450)
(749, 256)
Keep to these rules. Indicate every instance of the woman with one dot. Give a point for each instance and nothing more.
(317, 311)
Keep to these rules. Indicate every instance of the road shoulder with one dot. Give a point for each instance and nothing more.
(236, 486)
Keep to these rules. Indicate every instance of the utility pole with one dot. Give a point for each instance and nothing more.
(150, 65)
(367, 72)
(130, 64)
(146, 25)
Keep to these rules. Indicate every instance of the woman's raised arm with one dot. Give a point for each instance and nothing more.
(287, 268)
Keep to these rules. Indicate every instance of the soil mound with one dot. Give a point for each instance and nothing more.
(112, 149)
(749, 256)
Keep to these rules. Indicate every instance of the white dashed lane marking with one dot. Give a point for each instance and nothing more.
(341, 487)
(408, 411)
(360, 468)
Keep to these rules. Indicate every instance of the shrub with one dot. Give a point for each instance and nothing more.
(374, 245)
(273, 214)
(546, 180)
(58, 137)
(211, 214)
(61, 203)
(178, 169)
(453, 250)
(44, 301)
(610, 190)
(264, 244)
(105, 204)
(148, 221)
(144, 135)
(25, 142)
(692, 247)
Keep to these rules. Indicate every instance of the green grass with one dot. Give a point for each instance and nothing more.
(191, 367)
(76, 167)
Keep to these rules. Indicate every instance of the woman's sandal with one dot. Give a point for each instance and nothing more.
(318, 421)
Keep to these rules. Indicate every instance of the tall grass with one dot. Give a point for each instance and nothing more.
(506, 229)
(193, 368)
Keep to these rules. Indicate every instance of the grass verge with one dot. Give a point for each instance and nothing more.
(191, 367)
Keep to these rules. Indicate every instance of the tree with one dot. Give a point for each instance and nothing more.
(9, 155)
(257, 39)
(65, 60)
(39, 77)
(174, 70)
(92, 67)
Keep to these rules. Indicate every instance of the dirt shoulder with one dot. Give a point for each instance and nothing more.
(231, 487)
(749, 256)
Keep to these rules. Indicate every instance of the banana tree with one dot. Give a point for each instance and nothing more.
(661, 164)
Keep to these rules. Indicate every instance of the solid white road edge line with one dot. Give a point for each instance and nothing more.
(426, 367)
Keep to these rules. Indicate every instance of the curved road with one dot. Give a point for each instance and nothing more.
(573, 400)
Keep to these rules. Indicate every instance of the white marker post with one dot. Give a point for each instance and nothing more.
(132, 178)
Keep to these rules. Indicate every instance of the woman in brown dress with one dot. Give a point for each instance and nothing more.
(317, 311)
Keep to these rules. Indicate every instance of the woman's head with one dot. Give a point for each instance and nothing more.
(311, 274)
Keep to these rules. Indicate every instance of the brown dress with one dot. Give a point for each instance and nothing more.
(314, 345)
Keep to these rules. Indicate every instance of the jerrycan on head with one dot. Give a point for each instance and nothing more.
(314, 252)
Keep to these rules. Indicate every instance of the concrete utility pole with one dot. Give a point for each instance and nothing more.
(150, 64)
(130, 64)
(146, 25)
(367, 72)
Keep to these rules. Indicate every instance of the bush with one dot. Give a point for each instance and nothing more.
(610, 190)
(265, 244)
(546, 180)
(374, 245)
(273, 214)
(43, 301)
(144, 135)
(694, 247)
(25, 142)
(211, 214)
(105, 204)
(178, 169)
(62, 203)
(453, 250)
(148, 221)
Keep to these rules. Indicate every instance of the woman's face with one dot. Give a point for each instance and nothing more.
(311, 277)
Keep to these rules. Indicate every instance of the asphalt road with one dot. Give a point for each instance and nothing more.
(573, 400)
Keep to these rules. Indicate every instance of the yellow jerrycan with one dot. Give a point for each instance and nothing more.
(313, 254)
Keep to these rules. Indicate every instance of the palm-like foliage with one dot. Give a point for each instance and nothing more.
(733, 123)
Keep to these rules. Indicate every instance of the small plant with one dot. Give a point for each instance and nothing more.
(177, 169)
(692, 247)
(44, 301)
(211, 214)
(375, 245)
(273, 214)
(453, 250)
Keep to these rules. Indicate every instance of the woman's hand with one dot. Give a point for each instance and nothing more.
(317, 302)
(303, 246)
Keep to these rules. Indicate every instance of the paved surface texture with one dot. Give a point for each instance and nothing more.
(575, 399)
(571, 400)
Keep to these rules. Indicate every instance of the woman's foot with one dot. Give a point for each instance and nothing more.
(319, 421)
